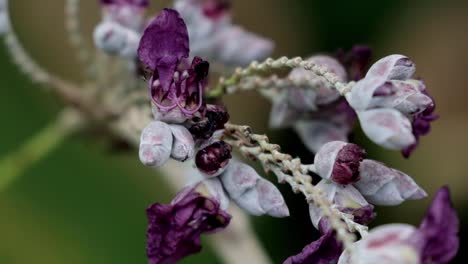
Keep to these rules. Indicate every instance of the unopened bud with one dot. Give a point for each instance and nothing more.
(213, 159)
(393, 67)
(115, 39)
(387, 127)
(156, 144)
(183, 147)
(251, 192)
(339, 162)
(382, 185)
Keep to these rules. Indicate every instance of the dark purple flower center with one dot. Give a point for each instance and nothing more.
(214, 118)
(347, 163)
(421, 126)
(213, 157)
(164, 49)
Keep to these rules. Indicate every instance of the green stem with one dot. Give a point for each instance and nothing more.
(34, 149)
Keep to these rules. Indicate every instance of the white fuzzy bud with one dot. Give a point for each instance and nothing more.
(156, 144)
(115, 39)
(183, 146)
(253, 193)
(382, 185)
(214, 188)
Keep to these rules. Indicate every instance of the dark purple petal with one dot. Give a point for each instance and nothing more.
(174, 230)
(421, 126)
(363, 215)
(439, 230)
(214, 157)
(164, 42)
(357, 61)
(326, 250)
(214, 118)
(347, 162)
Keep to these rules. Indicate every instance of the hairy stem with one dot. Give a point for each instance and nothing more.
(72, 25)
(273, 67)
(291, 171)
(14, 164)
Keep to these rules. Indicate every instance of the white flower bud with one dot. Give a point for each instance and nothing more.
(382, 185)
(388, 244)
(406, 96)
(253, 193)
(387, 127)
(393, 67)
(271, 200)
(183, 146)
(115, 39)
(156, 144)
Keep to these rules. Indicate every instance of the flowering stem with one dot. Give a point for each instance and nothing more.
(291, 171)
(14, 164)
(273, 67)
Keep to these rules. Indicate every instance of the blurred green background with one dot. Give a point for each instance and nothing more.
(85, 202)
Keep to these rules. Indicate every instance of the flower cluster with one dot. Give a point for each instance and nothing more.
(318, 113)
(185, 128)
(394, 110)
(212, 34)
(435, 241)
(322, 101)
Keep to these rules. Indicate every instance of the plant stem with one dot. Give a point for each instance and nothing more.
(34, 149)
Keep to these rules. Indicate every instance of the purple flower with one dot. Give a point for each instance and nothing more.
(213, 159)
(435, 242)
(394, 110)
(326, 250)
(439, 230)
(339, 161)
(174, 229)
(164, 49)
(126, 13)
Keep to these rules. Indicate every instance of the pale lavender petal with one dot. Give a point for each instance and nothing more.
(388, 244)
(155, 144)
(387, 127)
(385, 186)
(393, 67)
(183, 147)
